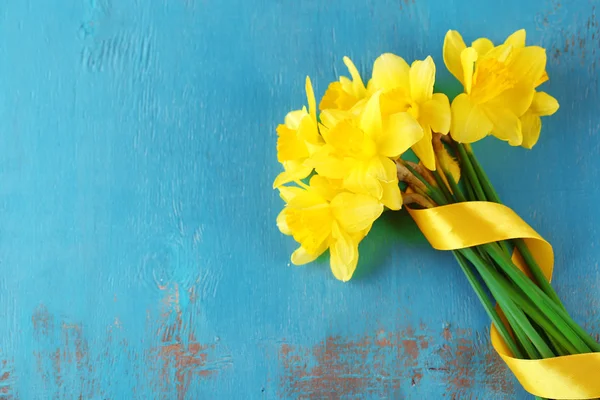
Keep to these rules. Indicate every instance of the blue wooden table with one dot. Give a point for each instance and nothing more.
(139, 254)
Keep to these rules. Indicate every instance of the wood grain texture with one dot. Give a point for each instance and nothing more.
(139, 253)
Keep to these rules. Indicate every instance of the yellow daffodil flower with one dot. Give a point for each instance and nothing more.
(344, 95)
(359, 150)
(542, 105)
(499, 83)
(297, 139)
(323, 216)
(517, 41)
(410, 89)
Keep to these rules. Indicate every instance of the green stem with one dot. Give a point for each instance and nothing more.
(492, 195)
(487, 305)
(560, 350)
(560, 311)
(472, 175)
(442, 186)
(536, 295)
(470, 191)
(488, 188)
(476, 183)
(528, 348)
(586, 337)
(536, 271)
(534, 313)
(507, 304)
(455, 188)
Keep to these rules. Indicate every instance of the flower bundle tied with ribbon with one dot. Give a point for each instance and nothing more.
(343, 167)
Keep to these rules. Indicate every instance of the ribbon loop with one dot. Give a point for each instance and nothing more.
(468, 224)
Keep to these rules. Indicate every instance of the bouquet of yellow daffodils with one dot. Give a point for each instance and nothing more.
(343, 167)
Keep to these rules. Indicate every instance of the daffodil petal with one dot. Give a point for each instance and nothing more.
(467, 58)
(449, 164)
(507, 125)
(301, 256)
(482, 46)
(346, 93)
(392, 197)
(293, 118)
(326, 188)
(424, 150)
(517, 99)
(297, 172)
(310, 226)
(308, 131)
(332, 117)
(395, 100)
(543, 104)
(361, 180)
(531, 125)
(333, 98)
(355, 212)
(529, 65)
(343, 135)
(357, 109)
(289, 192)
(389, 72)
(400, 133)
(517, 39)
(289, 145)
(542, 79)
(500, 53)
(370, 120)
(327, 163)
(469, 122)
(391, 173)
(376, 168)
(383, 169)
(298, 169)
(282, 223)
(453, 47)
(343, 254)
(422, 78)
(312, 102)
(436, 113)
(357, 83)
(331, 167)
(307, 199)
(352, 69)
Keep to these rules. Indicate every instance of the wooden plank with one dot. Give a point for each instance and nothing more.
(139, 253)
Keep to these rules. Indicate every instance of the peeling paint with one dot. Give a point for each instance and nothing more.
(390, 364)
(578, 42)
(406, 3)
(459, 362)
(7, 379)
(62, 353)
(182, 357)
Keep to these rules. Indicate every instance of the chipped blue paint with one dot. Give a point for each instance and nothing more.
(139, 253)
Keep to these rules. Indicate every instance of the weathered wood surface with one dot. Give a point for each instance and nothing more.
(138, 249)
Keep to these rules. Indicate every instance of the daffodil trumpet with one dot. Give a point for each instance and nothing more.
(343, 166)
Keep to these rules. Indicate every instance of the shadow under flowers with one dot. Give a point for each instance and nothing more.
(392, 229)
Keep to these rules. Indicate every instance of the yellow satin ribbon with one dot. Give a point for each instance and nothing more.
(461, 225)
